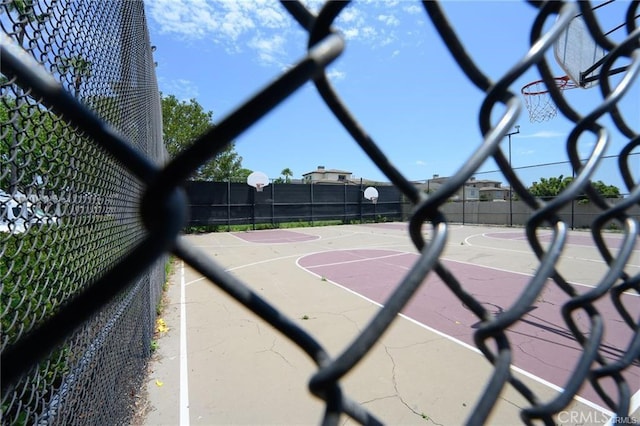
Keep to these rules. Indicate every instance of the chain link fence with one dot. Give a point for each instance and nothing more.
(220, 204)
(69, 210)
(94, 209)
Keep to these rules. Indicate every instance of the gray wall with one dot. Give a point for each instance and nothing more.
(499, 213)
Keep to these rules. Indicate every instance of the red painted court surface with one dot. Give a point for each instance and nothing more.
(542, 343)
(274, 236)
(613, 242)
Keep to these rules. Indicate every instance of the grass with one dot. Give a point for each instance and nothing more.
(203, 229)
(258, 226)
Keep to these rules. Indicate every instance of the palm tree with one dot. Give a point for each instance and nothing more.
(287, 173)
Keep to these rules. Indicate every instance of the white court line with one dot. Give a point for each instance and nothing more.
(184, 371)
(466, 241)
(298, 255)
(365, 259)
(549, 234)
(317, 238)
(635, 401)
(473, 348)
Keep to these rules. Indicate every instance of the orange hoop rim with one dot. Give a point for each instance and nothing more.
(562, 83)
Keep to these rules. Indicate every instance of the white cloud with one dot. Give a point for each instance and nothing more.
(265, 28)
(236, 23)
(420, 163)
(269, 49)
(314, 5)
(225, 21)
(270, 18)
(181, 17)
(389, 20)
(369, 32)
(182, 89)
(350, 15)
(336, 75)
(351, 33)
(413, 9)
(544, 134)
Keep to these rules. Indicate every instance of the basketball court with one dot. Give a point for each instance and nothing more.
(220, 364)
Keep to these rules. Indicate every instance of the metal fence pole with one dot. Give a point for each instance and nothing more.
(360, 195)
(253, 208)
(311, 189)
(345, 203)
(464, 202)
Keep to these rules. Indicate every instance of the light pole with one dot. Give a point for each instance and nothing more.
(510, 194)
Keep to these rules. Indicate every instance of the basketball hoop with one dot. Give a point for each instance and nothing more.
(258, 180)
(538, 100)
(371, 194)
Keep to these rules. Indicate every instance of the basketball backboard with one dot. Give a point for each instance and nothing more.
(371, 194)
(258, 180)
(578, 53)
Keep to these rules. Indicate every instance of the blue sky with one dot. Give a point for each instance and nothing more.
(395, 75)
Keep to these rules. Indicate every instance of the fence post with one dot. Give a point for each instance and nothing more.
(229, 204)
(253, 208)
(375, 215)
(573, 176)
(273, 219)
(360, 196)
(311, 189)
(345, 203)
(463, 202)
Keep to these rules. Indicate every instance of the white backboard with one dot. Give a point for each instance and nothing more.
(576, 51)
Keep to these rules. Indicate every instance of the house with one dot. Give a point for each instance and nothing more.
(474, 189)
(490, 190)
(323, 175)
(494, 194)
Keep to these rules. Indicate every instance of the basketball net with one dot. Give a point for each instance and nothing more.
(374, 200)
(259, 187)
(538, 100)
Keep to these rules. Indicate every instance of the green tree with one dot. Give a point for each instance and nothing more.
(241, 175)
(32, 146)
(286, 173)
(550, 187)
(25, 13)
(78, 67)
(607, 191)
(555, 185)
(182, 123)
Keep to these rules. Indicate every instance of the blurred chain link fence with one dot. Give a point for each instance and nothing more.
(90, 210)
(69, 210)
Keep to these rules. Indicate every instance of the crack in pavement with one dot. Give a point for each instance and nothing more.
(512, 403)
(399, 396)
(271, 349)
